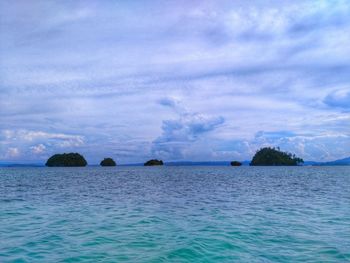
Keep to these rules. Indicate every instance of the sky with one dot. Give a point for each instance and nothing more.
(175, 80)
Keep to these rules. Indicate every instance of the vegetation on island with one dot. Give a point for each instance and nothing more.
(66, 160)
(274, 157)
(108, 162)
(236, 163)
(153, 162)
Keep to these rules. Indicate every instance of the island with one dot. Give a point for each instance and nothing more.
(108, 162)
(66, 160)
(153, 162)
(236, 163)
(270, 156)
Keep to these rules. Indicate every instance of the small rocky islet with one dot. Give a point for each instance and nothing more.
(153, 162)
(108, 162)
(236, 163)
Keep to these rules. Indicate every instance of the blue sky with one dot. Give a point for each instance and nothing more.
(176, 80)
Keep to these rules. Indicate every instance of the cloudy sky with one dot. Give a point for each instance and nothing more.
(176, 80)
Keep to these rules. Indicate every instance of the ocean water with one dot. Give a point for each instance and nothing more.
(175, 214)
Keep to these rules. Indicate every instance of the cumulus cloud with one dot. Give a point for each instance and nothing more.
(20, 142)
(307, 145)
(179, 134)
(324, 146)
(12, 153)
(38, 149)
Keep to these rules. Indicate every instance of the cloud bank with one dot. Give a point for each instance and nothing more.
(180, 80)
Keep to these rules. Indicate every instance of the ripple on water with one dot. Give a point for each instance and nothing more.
(175, 214)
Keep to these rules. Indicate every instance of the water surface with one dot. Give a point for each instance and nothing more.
(175, 214)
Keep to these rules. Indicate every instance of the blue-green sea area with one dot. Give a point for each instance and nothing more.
(175, 214)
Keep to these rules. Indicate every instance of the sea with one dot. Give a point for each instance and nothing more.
(175, 214)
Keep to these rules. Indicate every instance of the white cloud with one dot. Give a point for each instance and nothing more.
(12, 152)
(25, 135)
(180, 134)
(38, 149)
(20, 142)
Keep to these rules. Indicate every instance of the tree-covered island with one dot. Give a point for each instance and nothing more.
(66, 160)
(274, 157)
(236, 163)
(153, 162)
(108, 162)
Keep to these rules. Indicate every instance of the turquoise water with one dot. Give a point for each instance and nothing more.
(175, 214)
